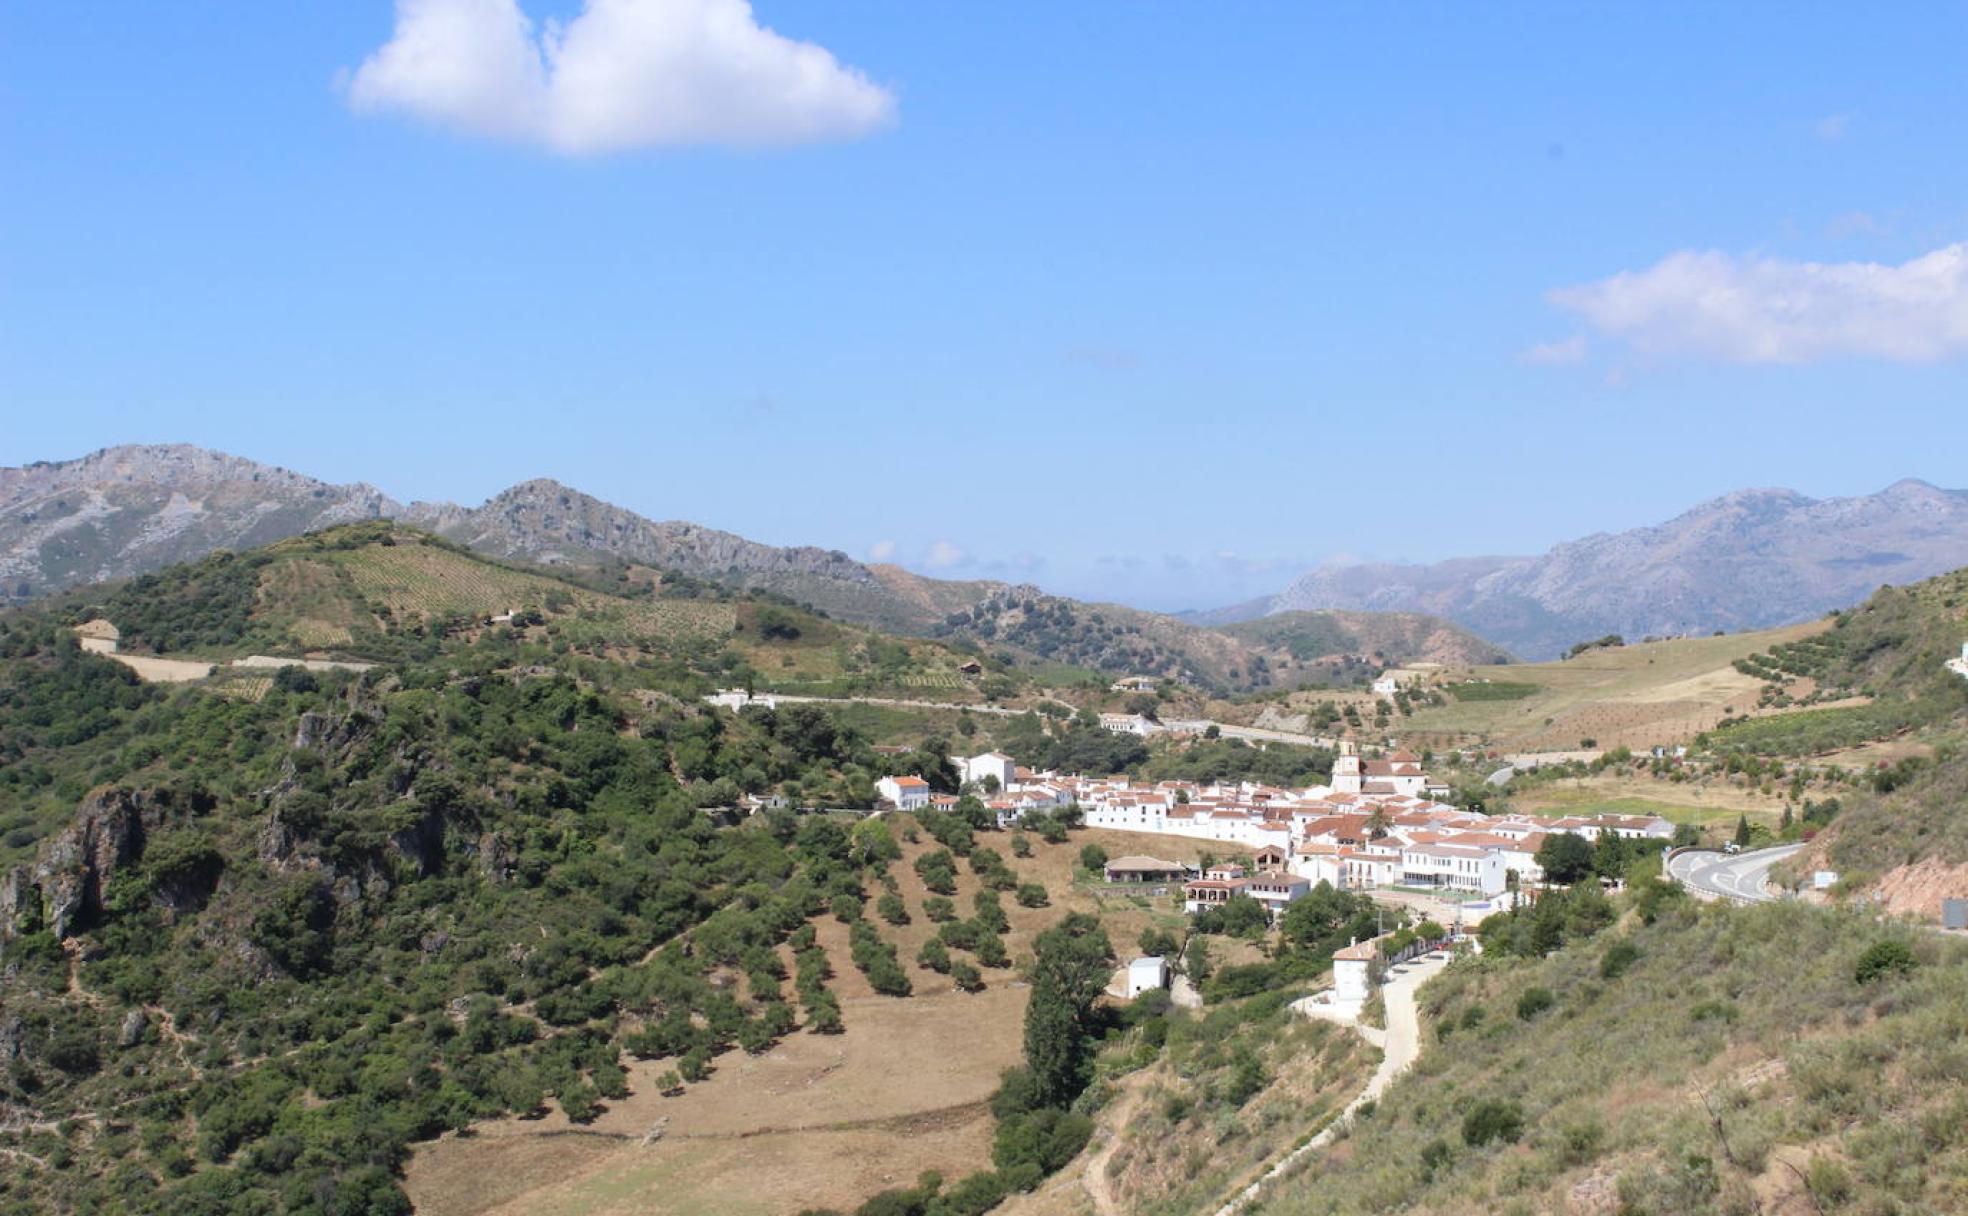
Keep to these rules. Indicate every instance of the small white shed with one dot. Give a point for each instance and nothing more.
(1144, 974)
(1353, 973)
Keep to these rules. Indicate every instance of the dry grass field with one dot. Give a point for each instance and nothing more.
(1698, 802)
(818, 1120)
(1633, 696)
(419, 580)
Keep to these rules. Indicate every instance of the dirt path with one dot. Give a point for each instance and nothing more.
(1400, 1044)
(1093, 1176)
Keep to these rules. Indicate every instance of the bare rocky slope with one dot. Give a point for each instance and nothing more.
(129, 510)
(1752, 559)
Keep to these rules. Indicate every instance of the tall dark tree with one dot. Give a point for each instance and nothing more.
(1564, 858)
(1071, 964)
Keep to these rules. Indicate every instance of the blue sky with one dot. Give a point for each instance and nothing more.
(1146, 302)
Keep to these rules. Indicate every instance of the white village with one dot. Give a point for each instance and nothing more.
(1376, 825)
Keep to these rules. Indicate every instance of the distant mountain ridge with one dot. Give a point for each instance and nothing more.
(130, 510)
(1751, 559)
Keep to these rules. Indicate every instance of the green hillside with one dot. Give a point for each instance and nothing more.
(254, 949)
(1377, 639)
(1287, 651)
(1717, 1060)
(1890, 651)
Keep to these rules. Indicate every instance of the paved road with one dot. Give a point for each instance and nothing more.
(1249, 734)
(1400, 1043)
(1738, 877)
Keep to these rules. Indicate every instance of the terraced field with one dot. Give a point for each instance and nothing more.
(422, 580)
(1634, 696)
(427, 581)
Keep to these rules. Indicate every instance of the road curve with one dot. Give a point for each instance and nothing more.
(1738, 877)
(1400, 1044)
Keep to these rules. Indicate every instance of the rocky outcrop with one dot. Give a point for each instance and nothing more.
(64, 890)
(75, 868)
(545, 521)
(128, 510)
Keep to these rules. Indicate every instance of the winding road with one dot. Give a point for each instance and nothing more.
(1400, 1043)
(1249, 734)
(1738, 877)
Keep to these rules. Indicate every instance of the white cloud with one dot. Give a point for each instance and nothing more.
(943, 554)
(1768, 310)
(1556, 354)
(881, 550)
(621, 74)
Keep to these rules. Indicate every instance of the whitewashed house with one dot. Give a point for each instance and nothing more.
(904, 793)
(1146, 974)
(975, 769)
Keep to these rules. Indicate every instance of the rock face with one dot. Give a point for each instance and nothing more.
(1747, 560)
(545, 521)
(64, 889)
(129, 510)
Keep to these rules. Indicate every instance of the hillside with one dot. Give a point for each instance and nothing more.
(1717, 1060)
(1747, 560)
(1386, 638)
(129, 510)
(1639, 696)
(256, 946)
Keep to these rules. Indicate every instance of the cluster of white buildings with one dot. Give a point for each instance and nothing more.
(1377, 824)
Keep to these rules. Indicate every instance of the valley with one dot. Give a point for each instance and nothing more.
(540, 804)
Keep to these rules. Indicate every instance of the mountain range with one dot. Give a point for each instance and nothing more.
(1747, 560)
(1751, 559)
(128, 510)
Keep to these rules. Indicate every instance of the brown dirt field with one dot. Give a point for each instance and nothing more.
(1717, 795)
(818, 1120)
(1886, 751)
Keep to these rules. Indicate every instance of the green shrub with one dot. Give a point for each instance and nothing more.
(1884, 958)
(1618, 957)
(1493, 1121)
(1533, 1002)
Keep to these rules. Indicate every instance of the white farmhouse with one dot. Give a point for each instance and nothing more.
(1128, 724)
(904, 793)
(975, 769)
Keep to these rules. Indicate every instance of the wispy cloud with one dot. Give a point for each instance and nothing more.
(881, 551)
(1556, 354)
(621, 74)
(1832, 127)
(942, 555)
(1769, 310)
